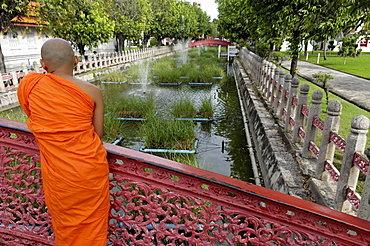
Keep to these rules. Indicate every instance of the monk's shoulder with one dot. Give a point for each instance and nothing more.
(90, 89)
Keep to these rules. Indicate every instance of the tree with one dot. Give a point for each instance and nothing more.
(132, 18)
(294, 21)
(164, 19)
(83, 23)
(10, 9)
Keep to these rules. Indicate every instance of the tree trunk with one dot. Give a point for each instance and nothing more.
(2, 62)
(294, 47)
(305, 48)
(325, 51)
(81, 48)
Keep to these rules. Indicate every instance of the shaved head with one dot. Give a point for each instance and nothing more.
(57, 53)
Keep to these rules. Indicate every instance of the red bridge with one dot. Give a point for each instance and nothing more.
(209, 42)
(155, 201)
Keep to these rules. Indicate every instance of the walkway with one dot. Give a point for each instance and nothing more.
(350, 87)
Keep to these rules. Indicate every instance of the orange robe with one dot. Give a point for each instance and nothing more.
(73, 160)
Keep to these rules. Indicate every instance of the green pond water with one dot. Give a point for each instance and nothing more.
(226, 129)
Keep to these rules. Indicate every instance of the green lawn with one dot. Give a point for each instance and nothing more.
(359, 65)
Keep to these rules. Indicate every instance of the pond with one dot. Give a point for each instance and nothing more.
(222, 146)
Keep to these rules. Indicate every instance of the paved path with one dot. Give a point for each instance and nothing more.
(350, 87)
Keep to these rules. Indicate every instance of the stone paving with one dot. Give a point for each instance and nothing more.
(350, 87)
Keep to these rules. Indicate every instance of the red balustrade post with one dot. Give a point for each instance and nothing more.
(327, 148)
(284, 99)
(315, 110)
(349, 173)
(291, 108)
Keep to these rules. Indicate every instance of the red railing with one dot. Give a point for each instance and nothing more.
(209, 42)
(155, 201)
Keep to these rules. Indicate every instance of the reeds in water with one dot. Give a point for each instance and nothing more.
(162, 133)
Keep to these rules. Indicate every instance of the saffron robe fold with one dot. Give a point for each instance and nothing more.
(73, 160)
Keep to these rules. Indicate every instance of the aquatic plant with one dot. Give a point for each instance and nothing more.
(114, 77)
(162, 133)
(184, 109)
(134, 106)
(206, 108)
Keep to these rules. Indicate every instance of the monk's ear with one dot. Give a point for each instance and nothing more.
(43, 64)
(76, 60)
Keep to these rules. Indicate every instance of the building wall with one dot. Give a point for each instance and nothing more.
(23, 44)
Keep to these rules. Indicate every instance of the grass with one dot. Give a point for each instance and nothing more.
(14, 114)
(134, 107)
(206, 108)
(355, 65)
(162, 133)
(114, 77)
(184, 109)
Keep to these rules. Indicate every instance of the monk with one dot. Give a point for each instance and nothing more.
(66, 116)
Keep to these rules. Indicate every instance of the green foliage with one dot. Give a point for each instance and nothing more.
(83, 23)
(322, 79)
(131, 18)
(263, 49)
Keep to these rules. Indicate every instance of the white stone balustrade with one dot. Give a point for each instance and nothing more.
(302, 123)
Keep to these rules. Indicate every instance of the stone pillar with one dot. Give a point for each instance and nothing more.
(36, 67)
(284, 99)
(278, 91)
(14, 75)
(349, 173)
(364, 209)
(24, 68)
(327, 148)
(299, 117)
(274, 77)
(2, 85)
(315, 110)
(291, 109)
(269, 79)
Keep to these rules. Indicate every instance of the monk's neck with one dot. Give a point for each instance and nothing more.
(63, 74)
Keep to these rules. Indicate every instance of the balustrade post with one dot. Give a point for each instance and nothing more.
(24, 68)
(364, 209)
(36, 67)
(284, 99)
(274, 80)
(265, 77)
(14, 75)
(291, 104)
(278, 91)
(2, 84)
(84, 66)
(315, 110)
(349, 173)
(327, 148)
(299, 117)
(260, 71)
(269, 80)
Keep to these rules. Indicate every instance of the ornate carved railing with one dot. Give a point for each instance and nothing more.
(155, 201)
